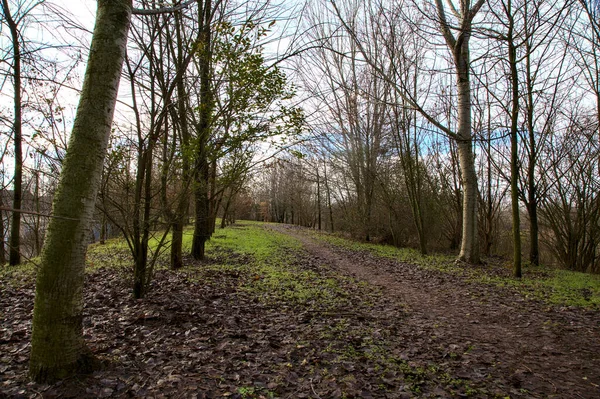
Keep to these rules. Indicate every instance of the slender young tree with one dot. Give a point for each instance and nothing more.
(514, 156)
(15, 226)
(458, 44)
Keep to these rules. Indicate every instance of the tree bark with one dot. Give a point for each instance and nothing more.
(532, 200)
(328, 198)
(142, 224)
(57, 347)
(201, 172)
(514, 155)
(2, 236)
(226, 210)
(318, 199)
(201, 224)
(103, 230)
(469, 249)
(181, 213)
(14, 256)
(459, 46)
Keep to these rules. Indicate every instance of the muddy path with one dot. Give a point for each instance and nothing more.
(484, 333)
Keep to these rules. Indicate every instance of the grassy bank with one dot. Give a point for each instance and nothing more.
(554, 286)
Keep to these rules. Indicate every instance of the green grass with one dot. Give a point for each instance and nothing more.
(557, 287)
(272, 259)
(269, 265)
(19, 275)
(553, 286)
(113, 253)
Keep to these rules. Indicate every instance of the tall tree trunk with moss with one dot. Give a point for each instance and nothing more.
(57, 347)
(201, 172)
(15, 228)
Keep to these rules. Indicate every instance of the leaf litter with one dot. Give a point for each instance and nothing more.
(221, 330)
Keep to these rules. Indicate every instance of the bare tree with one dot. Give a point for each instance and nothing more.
(456, 30)
(13, 25)
(570, 211)
(355, 117)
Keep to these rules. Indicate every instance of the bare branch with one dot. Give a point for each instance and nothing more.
(163, 10)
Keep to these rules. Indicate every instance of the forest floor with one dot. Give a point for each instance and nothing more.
(282, 312)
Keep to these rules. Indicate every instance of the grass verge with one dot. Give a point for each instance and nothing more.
(553, 286)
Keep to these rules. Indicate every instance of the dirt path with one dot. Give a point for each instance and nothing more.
(529, 348)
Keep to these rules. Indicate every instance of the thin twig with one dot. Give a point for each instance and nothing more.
(313, 389)
(3, 208)
(164, 10)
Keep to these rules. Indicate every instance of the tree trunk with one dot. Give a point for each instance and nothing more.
(318, 199)
(37, 225)
(532, 197)
(213, 202)
(2, 236)
(469, 250)
(534, 247)
(177, 243)
(201, 172)
(328, 195)
(181, 213)
(459, 46)
(514, 155)
(57, 347)
(201, 224)
(103, 229)
(226, 210)
(142, 226)
(15, 228)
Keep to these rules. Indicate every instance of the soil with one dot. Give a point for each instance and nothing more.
(409, 332)
(544, 351)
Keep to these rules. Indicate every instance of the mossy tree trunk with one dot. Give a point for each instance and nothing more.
(2, 237)
(201, 186)
(57, 347)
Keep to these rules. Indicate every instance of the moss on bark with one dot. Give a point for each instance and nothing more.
(57, 347)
